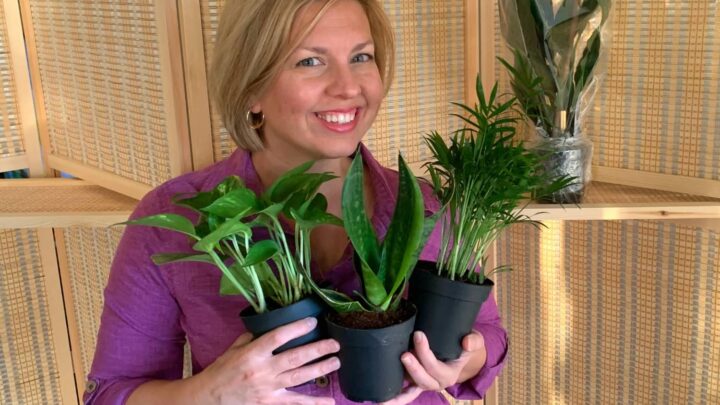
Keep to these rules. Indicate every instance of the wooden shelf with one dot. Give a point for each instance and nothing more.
(39, 203)
(605, 201)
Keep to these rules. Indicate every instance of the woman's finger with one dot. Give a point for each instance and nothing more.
(408, 395)
(418, 373)
(299, 356)
(440, 371)
(473, 341)
(283, 334)
(304, 374)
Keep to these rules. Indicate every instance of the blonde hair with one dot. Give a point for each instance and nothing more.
(251, 45)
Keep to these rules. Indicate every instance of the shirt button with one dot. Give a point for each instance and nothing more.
(90, 386)
(322, 382)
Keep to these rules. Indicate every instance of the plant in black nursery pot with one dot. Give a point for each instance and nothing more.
(480, 178)
(270, 273)
(374, 329)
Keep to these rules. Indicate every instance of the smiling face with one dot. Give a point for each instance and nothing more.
(328, 92)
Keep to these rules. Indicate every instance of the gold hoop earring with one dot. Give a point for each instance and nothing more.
(250, 118)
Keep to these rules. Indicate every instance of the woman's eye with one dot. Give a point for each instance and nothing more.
(308, 62)
(363, 57)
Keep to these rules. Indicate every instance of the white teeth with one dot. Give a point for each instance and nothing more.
(338, 118)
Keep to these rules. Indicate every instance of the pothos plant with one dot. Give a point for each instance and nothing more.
(481, 178)
(269, 272)
(384, 267)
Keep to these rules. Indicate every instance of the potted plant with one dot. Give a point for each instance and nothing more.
(267, 272)
(480, 178)
(374, 328)
(556, 51)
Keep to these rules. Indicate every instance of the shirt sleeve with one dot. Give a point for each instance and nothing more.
(140, 338)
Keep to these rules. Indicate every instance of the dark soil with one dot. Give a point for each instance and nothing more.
(374, 320)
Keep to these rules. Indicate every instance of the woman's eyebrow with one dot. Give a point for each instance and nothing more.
(323, 51)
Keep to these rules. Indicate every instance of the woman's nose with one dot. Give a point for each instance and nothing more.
(344, 82)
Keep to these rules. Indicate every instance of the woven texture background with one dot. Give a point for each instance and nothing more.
(429, 75)
(28, 371)
(11, 141)
(89, 252)
(620, 312)
(658, 108)
(100, 76)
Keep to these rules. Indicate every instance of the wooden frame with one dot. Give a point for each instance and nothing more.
(198, 98)
(72, 325)
(57, 312)
(37, 212)
(175, 102)
(473, 50)
(32, 159)
(658, 181)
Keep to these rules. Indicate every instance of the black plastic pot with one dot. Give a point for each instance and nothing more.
(259, 324)
(370, 367)
(446, 308)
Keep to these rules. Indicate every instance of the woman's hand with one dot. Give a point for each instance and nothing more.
(430, 374)
(248, 372)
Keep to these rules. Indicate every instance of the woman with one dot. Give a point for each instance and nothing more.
(296, 81)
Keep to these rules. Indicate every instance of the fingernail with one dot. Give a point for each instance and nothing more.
(418, 337)
(335, 363)
(311, 322)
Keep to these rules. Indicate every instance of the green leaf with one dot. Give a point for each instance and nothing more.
(173, 222)
(230, 227)
(372, 285)
(403, 238)
(261, 252)
(236, 202)
(339, 302)
(165, 258)
(287, 183)
(359, 229)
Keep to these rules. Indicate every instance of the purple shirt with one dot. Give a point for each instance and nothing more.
(149, 310)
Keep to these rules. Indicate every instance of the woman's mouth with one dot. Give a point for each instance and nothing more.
(339, 121)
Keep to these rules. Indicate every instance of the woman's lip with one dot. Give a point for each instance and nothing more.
(337, 127)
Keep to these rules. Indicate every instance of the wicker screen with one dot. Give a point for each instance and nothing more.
(28, 369)
(430, 74)
(658, 108)
(88, 252)
(11, 139)
(620, 312)
(101, 82)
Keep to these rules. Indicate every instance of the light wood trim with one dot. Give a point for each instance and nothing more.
(657, 181)
(198, 100)
(171, 73)
(56, 310)
(61, 219)
(44, 182)
(472, 47)
(591, 212)
(26, 108)
(108, 180)
(73, 329)
(487, 43)
(36, 78)
(9, 164)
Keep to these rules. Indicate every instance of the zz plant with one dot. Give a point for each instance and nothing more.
(269, 272)
(481, 177)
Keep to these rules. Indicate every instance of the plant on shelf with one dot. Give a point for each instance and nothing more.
(556, 52)
(269, 273)
(481, 178)
(374, 327)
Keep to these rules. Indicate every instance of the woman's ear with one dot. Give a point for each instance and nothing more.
(255, 106)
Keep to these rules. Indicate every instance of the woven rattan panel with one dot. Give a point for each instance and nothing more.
(11, 141)
(28, 370)
(658, 109)
(430, 74)
(89, 252)
(617, 312)
(100, 77)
